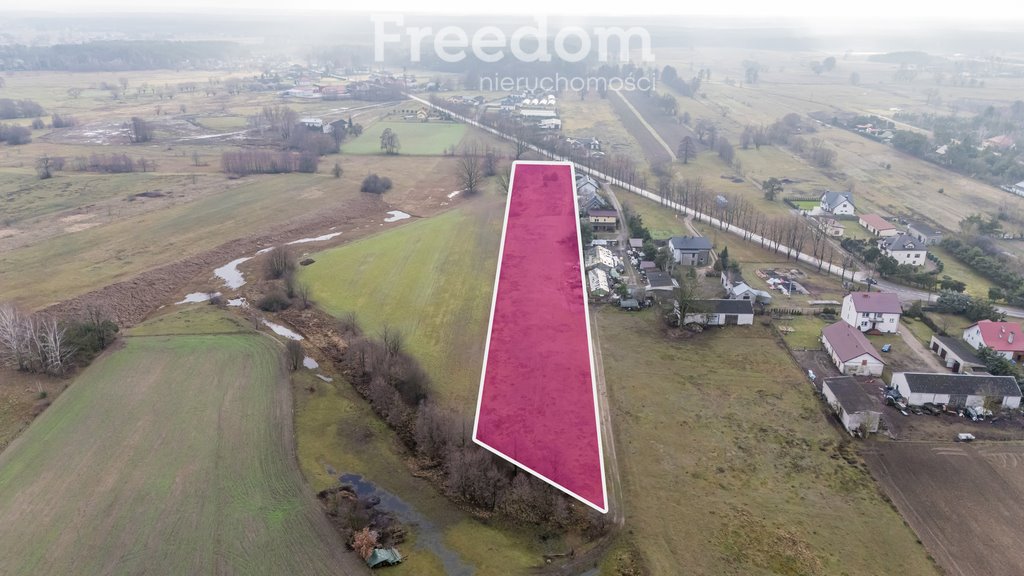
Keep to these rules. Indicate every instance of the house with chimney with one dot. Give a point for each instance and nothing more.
(1003, 337)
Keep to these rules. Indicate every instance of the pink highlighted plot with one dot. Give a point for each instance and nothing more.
(538, 399)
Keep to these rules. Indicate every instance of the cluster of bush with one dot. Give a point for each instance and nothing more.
(280, 265)
(375, 184)
(968, 306)
(15, 135)
(397, 389)
(11, 109)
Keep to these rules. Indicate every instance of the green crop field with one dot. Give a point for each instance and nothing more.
(170, 455)
(729, 465)
(430, 279)
(415, 137)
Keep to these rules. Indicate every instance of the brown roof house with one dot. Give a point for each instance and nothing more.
(850, 350)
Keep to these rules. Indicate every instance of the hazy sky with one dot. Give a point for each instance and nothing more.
(814, 10)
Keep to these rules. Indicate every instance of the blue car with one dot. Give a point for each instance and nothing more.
(886, 347)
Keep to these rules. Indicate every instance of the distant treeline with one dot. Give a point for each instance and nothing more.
(246, 162)
(116, 55)
(10, 109)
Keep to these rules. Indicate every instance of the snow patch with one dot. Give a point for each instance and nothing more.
(308, 362)
(283, 330)
(230, 274)
(317, 238)
(196, 297)
(396, 215)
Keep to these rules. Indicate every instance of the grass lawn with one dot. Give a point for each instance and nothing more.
(806, 204)
(977, 285)
(919, 329)
(415, 137)
(806, 332)
(431, 279)
(661, 221)
(729, 465)
(172, 454)
(224, 123)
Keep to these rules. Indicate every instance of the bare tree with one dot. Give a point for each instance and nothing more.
(304, 293)
(293, 355)
(43, 168)
(389, 141)
(469, 170)
(139, 131)
(15, 345)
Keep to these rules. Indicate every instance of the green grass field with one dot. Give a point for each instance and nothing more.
(806, 204)
(729, 465)
(432, 280)
(172, 454)
(415, 137)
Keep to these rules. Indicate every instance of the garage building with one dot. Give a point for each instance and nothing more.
(850, 350)
(957, 390)
(854, 408)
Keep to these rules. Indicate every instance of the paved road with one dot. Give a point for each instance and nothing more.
(906, 294)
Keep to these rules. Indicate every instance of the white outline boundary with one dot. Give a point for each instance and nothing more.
(590, 342)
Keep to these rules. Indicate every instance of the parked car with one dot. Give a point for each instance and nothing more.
(964, 437)
(811, 375)
(886, 347)
(870, 281)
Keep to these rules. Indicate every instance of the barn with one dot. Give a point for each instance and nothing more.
(854, 408)
(957, 390)
(850, 350)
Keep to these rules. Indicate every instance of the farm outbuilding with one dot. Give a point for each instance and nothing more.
(956, 354)
(957, 390)
(854, 408)
(850, 350)
(721, 313)
(383, 557)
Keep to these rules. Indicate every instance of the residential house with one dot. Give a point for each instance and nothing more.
(586, 184)
(690, 250)
(850, 350)
(838, 203)
(550, 124)
(603, 220)
(855, 409)
(647, 265)
(1001, 142)
(872, 311)
(597, 279)
(721, 313)
(1003, 337)
(957, 390)
(904, 249)
(958, 356)
(878, 225)
(660, 282)
(743, 291)
(1018, 188)
(590, 202)
(924, 233)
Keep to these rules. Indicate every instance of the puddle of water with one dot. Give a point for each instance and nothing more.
(282, 330)
(396, 215)
(325, 379)
(196, 297)
(230, 274)
(310, 363)
(427, 533)
(317, 238)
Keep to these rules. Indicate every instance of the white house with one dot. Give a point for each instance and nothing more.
(742, 291)
(1003, 337)
(854, 408)
(905, 249)
(869, 311)
(850, 350)
(721, 313)
(838, 203)
(690, 250)
(878, 226)
(957, 390)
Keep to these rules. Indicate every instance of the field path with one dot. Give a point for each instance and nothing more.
(648, 127)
